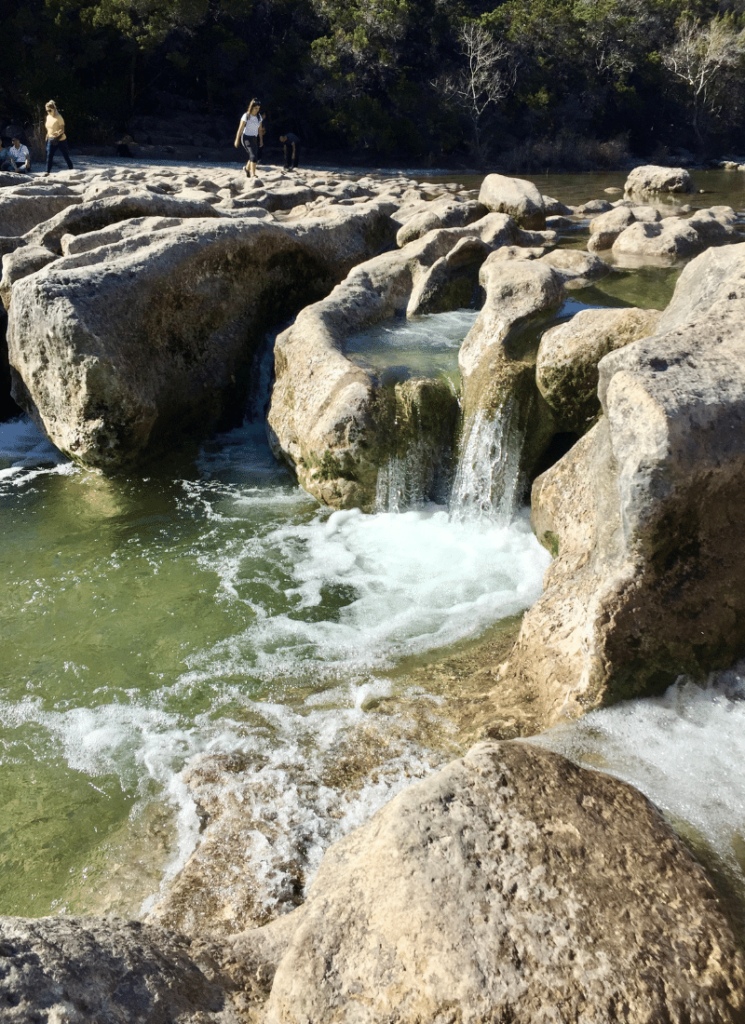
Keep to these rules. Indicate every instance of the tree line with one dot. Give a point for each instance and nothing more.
(464, 81)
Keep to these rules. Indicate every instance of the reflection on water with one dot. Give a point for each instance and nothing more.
(421, 346)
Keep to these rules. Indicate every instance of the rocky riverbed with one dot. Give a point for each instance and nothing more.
(511, 885)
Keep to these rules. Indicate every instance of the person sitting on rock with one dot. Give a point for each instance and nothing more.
(250, 135)
(291, 145)
(19, 157)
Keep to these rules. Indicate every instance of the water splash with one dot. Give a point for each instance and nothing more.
(489, 480)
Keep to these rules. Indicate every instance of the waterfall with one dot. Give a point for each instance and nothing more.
(489, 479)
(411, 480)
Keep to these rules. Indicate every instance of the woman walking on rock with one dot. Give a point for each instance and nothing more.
(56, 138)
(251, 134)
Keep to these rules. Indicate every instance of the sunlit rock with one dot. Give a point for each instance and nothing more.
(442, 213)
(20, 212)
(643, 514)
(507, 424)
(520, 199)
(509, 883)
(652, 178)
(100, 213)
(568, 357)
(119, 349)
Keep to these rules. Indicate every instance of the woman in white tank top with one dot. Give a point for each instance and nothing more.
(250, 134)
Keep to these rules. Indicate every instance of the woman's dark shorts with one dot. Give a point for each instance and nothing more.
(251, 146)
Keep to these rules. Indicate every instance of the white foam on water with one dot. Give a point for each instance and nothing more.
(683, 750)
(358, 591)
(23, 447)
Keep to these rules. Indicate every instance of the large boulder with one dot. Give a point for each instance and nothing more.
(510, 886)
(21, 213)
(58, 970)
(20, 263)
(652, 178)
(520, 199)
(606, 228)
(641, 514)
(117, 349)
(568, 356)
(507, 424)
(669, 239)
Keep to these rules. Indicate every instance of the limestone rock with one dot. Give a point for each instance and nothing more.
(716, 226)
(651, 178)
(576, 269)
(641, 514)
(58, 970)
(451, 281)
(506, 421)
(568, 357)
(606, 228)
(20, 263)
(73, 244)
(512, 885)
(668, 239)
(20, 213)
(520, 199)
(327, 417)
(117, 348)
(442, 213)
(101, 213)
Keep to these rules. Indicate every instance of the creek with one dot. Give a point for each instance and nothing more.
(213, 606)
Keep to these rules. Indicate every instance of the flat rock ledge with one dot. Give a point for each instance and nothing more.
(510, 886)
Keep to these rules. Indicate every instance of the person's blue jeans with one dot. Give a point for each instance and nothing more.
(52, 146)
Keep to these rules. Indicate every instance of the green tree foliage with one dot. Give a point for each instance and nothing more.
(393, 77)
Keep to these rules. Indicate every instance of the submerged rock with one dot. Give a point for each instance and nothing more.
(512, 885)
(641, 514)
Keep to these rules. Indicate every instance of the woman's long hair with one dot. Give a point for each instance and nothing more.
(252, 103)
(53, 105)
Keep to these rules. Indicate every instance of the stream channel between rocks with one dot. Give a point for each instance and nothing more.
(214, 607)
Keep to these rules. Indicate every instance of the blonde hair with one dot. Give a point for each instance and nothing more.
(53, 105)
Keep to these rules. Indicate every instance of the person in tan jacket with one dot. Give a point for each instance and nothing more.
(56, 137)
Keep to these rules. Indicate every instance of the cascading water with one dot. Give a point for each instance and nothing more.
(488, 480)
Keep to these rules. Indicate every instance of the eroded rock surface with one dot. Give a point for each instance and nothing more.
(328, 416)
(512, 885)
(641, 514)
(57, 970)
(568, 356)
(116, 348)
